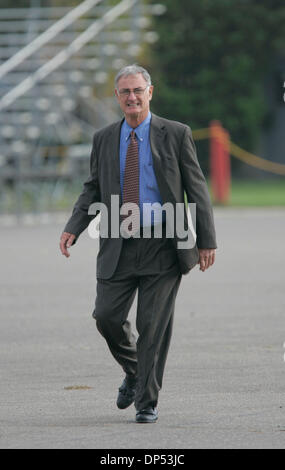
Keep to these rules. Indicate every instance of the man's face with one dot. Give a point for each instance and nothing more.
(134, 104)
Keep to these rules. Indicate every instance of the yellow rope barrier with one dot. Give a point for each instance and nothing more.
(199, 134)
(256, 161)
(235, 151)
(242, 154)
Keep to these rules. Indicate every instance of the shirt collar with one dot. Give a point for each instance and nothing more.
(140, 131)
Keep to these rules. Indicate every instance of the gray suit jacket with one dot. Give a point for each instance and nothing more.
(177, 170)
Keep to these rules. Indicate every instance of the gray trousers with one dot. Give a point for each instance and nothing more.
(150, 268)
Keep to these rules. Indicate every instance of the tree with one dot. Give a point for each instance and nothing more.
(211, 61)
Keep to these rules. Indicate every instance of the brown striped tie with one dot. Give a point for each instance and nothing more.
(131, 176)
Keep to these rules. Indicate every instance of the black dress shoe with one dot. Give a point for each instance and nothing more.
(147, 415)
(127, 392)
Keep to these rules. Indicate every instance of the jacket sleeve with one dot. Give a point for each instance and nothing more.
(197, 192)
(80, 219)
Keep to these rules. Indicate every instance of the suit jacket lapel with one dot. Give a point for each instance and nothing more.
(158, 134)
(114, 152)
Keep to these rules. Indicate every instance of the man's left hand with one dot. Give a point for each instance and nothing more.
(206, 258)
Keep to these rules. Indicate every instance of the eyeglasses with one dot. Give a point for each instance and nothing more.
(137, 91)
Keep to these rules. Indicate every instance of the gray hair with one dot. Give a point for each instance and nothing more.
(133, 69)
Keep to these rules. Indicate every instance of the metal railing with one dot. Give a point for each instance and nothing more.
(63, 56)
(55, 90)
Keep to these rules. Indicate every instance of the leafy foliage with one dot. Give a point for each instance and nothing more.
(212, 59)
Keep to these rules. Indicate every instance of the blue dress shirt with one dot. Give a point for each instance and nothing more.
(148, 188)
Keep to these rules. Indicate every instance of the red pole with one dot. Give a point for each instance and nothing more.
(220, 162)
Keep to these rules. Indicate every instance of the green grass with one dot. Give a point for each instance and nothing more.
(257, 193)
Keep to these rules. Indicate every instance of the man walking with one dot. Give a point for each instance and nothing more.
(146, 161)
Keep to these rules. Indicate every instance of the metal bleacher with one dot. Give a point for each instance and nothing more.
(57, 67)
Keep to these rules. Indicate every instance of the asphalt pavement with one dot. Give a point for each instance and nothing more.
(224, 383)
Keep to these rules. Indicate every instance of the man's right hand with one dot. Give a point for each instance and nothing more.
(66, 241)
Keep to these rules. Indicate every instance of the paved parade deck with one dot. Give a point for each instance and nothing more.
(224, 384)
